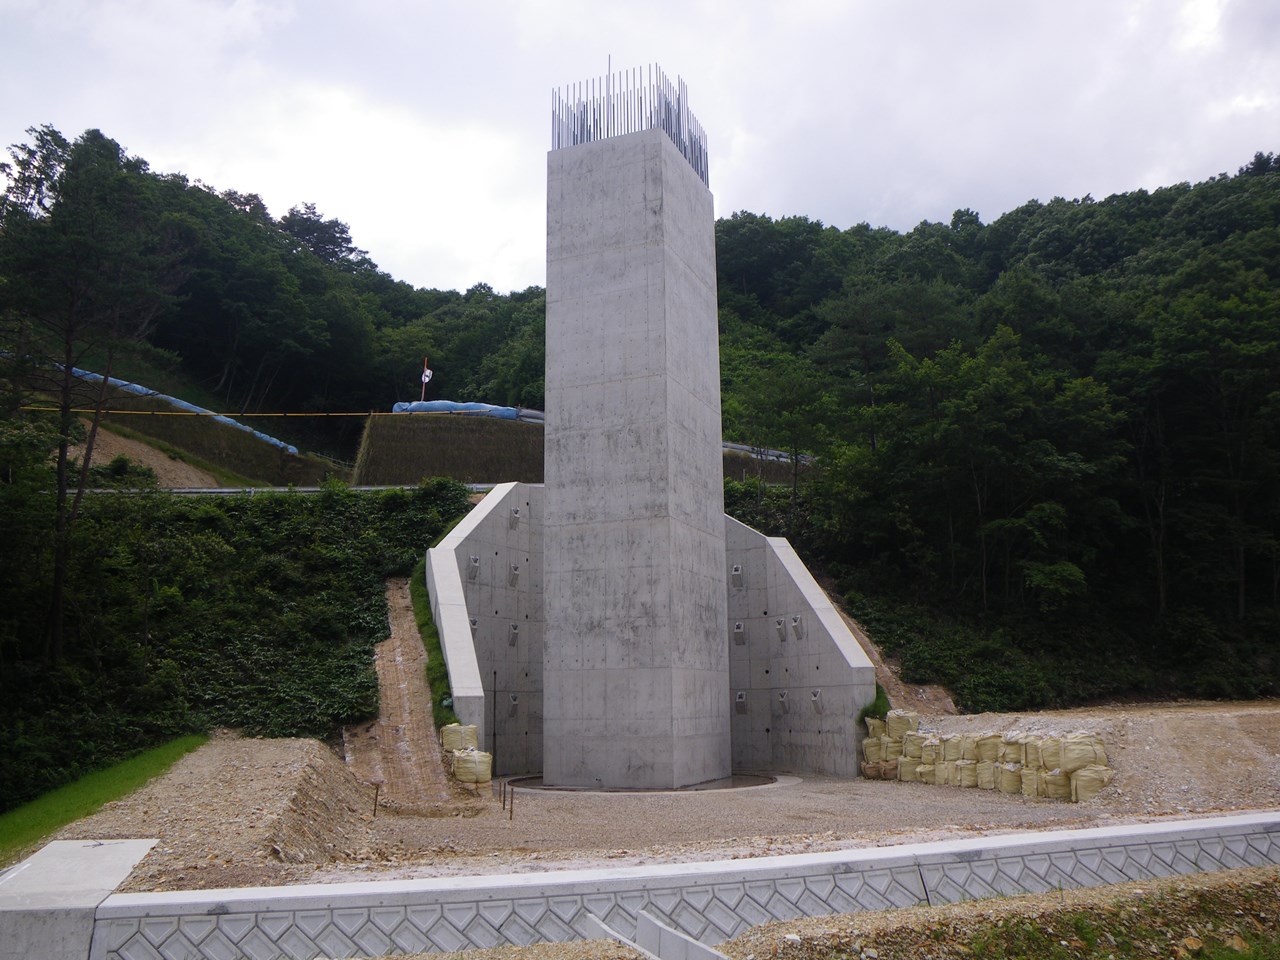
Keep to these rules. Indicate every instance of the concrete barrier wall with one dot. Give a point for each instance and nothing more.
(493, 562)
(799, 677)
(710, 901)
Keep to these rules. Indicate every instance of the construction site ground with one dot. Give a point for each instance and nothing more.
(246, 812)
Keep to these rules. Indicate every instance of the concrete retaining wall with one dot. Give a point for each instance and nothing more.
(485, 580)
(710, 901)
(799, 677)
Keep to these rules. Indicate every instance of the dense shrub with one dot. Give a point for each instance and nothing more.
(257, 612)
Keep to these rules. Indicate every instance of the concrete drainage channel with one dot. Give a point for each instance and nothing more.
(57, 905)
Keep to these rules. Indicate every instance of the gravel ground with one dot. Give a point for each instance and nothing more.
(241, 812)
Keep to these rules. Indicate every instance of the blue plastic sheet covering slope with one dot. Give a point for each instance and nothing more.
(142, 391)
(452, 406)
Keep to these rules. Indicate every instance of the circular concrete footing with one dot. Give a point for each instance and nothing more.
(739, 781)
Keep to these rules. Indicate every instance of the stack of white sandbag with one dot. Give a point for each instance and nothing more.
(472, 766)
(455, 736)
(882, 748)
(1072, 768)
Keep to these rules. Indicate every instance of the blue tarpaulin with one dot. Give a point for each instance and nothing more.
(452, 406)
(142, 391)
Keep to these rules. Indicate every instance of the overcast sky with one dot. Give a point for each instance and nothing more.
(424, 125)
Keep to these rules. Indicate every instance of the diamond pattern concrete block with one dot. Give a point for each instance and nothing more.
(1008, 877)
(372, 941)
(841, 902)
(137, 948)
(409, 939)
(1237, 848)
(760, 891)
(334, 942)
(445, 937)
(158, 929)
(216, 946)
(566, 908)
(116, 933)
(554, 930)
(531, 911)
(256, 945)
(237, 927)
(724, 919)
(812, 905)
(907, 890)
(1037, 863)
(180, 947)
(1212, 848)
(753, 913)
(459, 915)
(729, 894)
(665, 900)
(312, 922)
(1195, 853)
(780, 908)
(495, 912)
(297, 946)
(622, 921)
(599, 903)
(1140, 854)
(518, 932)
(483, 934)
(689, 920)
(943, 889)
(1186, 858)
(685, 902)
(1118, 857)
(351, 921)
(275, 924)
(1260, 850)
(698, 897)
(387, 919)
(198, 929)
(791, 889)
(1162, 857)
(1091, 860)
(985, 872)
(821, 887)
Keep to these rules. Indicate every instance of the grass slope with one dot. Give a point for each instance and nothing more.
(22, 828)
(403, 448)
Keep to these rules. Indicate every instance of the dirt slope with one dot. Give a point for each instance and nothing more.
(399, 749)
(169, 472)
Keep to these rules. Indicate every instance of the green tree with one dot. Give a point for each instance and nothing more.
(89, 263)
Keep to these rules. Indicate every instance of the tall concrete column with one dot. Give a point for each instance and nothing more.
(635, 664)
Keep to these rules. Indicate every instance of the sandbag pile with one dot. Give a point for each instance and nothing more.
(1071, 768)
(472, 766)
(455, 736)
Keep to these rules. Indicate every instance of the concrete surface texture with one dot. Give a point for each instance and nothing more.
(48, 902)
(709, 902)
(635, 664)
(799, 677)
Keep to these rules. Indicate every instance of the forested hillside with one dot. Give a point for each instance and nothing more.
(1058, 433)
(1047, 447)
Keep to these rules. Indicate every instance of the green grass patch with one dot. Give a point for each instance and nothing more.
(437, 671)
(22, 828)
(877, 708)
